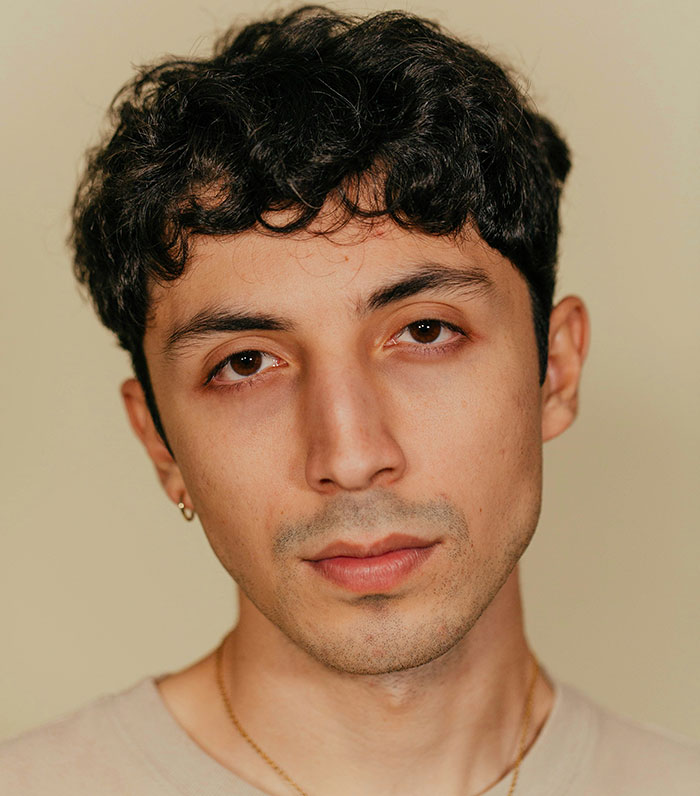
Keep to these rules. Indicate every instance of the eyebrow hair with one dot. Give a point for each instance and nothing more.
(212, 321)
(428, 277)
(431, 276)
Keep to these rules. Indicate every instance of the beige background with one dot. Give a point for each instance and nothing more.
(100, 580)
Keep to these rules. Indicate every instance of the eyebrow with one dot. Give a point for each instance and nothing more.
(428, 277)
(431, 276)
(216, 321)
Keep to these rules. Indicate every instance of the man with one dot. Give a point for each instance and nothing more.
(330, 251)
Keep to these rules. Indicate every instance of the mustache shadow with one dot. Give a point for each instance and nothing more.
(378, 509)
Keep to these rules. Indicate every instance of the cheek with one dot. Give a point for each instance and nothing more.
(231, 477)
(242, 470)
(230, 451)
(479, 443)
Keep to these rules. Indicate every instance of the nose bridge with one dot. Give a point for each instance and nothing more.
(350, 445)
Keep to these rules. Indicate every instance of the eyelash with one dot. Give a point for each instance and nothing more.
(429, 349)
(424, 349)
(237, 383)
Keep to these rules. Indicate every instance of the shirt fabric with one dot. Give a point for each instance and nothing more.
(129, 743)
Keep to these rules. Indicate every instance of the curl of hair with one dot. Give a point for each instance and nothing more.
(291, 112)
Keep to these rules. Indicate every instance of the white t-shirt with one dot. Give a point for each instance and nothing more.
(130, 744)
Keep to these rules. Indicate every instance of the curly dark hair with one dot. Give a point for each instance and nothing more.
(306, 107)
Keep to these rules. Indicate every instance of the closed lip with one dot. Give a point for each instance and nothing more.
(396, 541)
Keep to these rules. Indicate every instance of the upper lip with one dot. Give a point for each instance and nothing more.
(396, 541)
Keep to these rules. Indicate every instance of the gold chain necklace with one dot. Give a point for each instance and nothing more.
(283, 774)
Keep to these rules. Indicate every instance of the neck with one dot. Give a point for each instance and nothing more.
(451, 726)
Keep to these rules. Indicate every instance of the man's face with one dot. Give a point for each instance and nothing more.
(357, 421)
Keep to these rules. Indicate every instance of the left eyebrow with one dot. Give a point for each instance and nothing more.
(216, 321)
(428, 277)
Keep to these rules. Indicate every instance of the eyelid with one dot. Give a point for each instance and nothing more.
(221, 364)
(446, 324)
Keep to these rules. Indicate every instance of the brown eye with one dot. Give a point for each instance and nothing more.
(242, 366)
(426, 331)
(246, 363)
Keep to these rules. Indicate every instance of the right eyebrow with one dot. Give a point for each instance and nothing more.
(427, 277)
(214, 321)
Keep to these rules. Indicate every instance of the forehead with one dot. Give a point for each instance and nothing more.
(311, 278)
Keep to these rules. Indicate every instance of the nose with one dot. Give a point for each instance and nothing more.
(350, 444)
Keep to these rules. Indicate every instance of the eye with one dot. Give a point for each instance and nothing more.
(428, 331)
(242, 366)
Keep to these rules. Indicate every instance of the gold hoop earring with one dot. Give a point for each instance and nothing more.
(188, 514)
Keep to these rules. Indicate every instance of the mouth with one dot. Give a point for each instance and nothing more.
(373, 568)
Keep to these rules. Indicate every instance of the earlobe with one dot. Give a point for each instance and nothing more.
(569, 334)
(142, 423)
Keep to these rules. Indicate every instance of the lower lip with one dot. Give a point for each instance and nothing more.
(374, 574)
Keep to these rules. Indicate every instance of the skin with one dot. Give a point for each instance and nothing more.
(358, 426)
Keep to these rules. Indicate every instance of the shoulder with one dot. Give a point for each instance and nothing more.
(85, 752)
(632, 757)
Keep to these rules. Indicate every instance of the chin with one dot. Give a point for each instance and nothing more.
(384, 643)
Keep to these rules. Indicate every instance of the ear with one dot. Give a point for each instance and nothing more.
(142, 423)
(569, 334)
